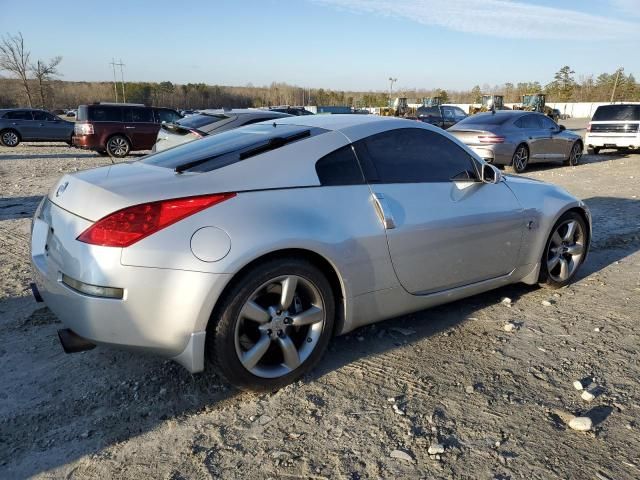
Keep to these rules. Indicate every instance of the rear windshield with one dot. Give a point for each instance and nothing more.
(229, 147)
(200, 120)
(617, 112)
(488, 119)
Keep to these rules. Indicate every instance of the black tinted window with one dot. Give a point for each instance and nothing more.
(340, 167)
(105, 114)
(19, 115)
(529, 121)
(485, 119)
(548, 123)
(428, 111)
(138, 114)
(617, 112)
(166, 115)
(412, 155)
(42, 116)
(200, 120)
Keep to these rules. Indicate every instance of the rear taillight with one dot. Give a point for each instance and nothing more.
(83, 129)
(490, 139)
(196, 133)
(129, 225)
(589, 127)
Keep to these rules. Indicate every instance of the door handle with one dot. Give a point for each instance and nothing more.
(384, 212)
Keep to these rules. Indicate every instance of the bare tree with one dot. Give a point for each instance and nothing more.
(15, 60)
(45, 72)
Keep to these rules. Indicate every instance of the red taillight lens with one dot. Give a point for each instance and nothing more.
(129, 225)
(490, 139)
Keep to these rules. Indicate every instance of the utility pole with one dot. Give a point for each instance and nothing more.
(391, 82)
(618, 72)
(124, 99)
(115, 82)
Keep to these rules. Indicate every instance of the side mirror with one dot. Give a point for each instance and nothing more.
(562, 128)
(490, 174)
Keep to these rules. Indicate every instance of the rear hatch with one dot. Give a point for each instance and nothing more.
(616, 120)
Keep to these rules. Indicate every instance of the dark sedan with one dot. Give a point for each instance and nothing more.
(32, 125)
(515, 139)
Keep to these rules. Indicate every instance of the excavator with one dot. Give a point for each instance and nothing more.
(489, 102)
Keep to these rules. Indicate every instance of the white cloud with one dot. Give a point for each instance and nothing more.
(500, 18)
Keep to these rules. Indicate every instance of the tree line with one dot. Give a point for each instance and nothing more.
(32, 83)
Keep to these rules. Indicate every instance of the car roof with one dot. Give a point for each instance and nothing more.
(507, 113)
(338, 122)
(244, 111)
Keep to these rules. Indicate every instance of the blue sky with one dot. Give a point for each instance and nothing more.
(341, 44)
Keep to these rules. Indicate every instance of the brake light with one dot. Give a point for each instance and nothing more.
(196, 133)
(83, 129)
(490, 139)
(130, 225)
(589, 127)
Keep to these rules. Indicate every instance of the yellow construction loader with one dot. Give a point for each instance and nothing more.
(489, 102)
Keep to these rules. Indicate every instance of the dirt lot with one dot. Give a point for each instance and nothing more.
(379, 399)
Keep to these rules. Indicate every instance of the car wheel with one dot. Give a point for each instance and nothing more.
(565, 251)
(575, 155)
(118, 146)
(520, 159)
(272, 326)
(10, 138)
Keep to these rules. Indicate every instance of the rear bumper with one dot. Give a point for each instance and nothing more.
(498, 154)
(604, 140)
(162, 311)
(86, 142)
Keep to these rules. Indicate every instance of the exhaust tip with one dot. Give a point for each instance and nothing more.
(72, 342)
(36, 292)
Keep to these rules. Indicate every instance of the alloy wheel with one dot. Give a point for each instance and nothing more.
(279, 326)
(10, 139)
(520, 159)
(566, 249)
(118, 147)
(575, 155)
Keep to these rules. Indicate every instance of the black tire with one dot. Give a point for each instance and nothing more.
(575, 154)
(118, 146)
(593, 151)
(546, 278)
(520, 159)
(102, 153)
(10, 138)
(221, 347)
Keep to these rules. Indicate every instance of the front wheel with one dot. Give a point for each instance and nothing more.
(520, 159)
(10, 138)
(565, 251)
(118, 146)
(574, 155)
(273, 326)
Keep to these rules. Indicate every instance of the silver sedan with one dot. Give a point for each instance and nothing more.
(518, 138)
(249, 249)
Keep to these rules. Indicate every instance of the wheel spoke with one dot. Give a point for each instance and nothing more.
(551, 264)
(289, 285)
(252, 356)
(255, 312)
(576, 249)
(308, 317)
(556, 239)
(289, 352)
(564, 269)
(571, 230)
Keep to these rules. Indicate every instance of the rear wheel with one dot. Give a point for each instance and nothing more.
(10, 138)
(574, 155)
(273, 326)
(520, 159)
(565, 251)
(118, 146)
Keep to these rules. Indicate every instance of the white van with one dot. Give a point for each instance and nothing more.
(614, 126)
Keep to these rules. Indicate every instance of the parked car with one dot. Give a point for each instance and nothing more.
(116, 129)
(249, 249)
(516, 138)
(32, 125)
(614, 126)
(296, 111)
(443, 116)
(208, 122)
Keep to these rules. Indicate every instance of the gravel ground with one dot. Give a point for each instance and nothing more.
(494, 400)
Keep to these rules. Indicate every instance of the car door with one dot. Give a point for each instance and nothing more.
(51, 127)
(441, 233)
(141, 127)
(22, 121)
(559, 146)
(537, 137)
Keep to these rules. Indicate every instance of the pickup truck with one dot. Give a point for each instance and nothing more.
(443, 116)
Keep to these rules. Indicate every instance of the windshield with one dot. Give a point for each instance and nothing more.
(216, 151)
(200, 120)
(617, 112)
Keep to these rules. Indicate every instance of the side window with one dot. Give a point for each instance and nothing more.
(548, 123)
(19, 115)
(530, 121)
(168, 116)
(459, 113)
(137, 114)
(105, 114)
(412, 155)
(42, 116)
(339, 167)
(448, 113)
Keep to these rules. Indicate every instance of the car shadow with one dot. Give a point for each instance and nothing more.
(116, 395)
(14, 208)
(31, 156)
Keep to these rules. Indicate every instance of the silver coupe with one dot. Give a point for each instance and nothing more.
(249, 249)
